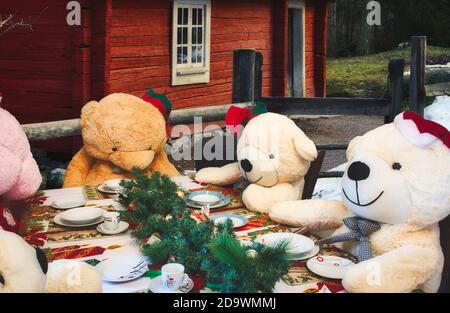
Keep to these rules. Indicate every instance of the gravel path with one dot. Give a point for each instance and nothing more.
(336, 129)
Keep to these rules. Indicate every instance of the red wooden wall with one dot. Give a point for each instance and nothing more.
(124, 46)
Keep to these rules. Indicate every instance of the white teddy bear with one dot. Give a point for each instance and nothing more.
(396, 188)
(273, 155)
(25, 269)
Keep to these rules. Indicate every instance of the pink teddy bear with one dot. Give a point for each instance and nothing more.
(19, 174)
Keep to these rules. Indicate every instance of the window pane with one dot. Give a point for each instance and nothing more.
(179, 56)
(179, 35)
(199, 54)
(180, 15)
(185, 16)
(194, 16)
(185, 56)
(194, 35)
(200, 35)
(194, 55)
(185, 36)
(200, 16)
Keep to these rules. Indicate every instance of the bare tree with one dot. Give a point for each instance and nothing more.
(9, 23)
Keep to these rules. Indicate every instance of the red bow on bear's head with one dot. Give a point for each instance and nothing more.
(238, 117)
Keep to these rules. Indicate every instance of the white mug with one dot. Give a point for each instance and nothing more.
(173, 276)
(111, 220)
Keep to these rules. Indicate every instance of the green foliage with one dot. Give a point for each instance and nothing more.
(232, 268)
(157, 206)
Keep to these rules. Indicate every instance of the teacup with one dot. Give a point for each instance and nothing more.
(111, 220)
(173, 276)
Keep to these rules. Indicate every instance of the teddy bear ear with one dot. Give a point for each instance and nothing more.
(353, 143)
(87, 111)
(305, 147)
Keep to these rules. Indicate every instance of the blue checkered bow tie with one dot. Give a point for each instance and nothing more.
(360, 229)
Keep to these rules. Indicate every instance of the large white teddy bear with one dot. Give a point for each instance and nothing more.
(24, 268)
(273, 155)
(396, 189)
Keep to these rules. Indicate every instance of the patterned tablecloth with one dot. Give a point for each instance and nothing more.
(38, 228)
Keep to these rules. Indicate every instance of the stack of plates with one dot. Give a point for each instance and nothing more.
(111, 186)
(67, 203)
(299, 247)
(79, 217)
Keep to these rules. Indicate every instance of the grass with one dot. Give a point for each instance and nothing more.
(366, 76)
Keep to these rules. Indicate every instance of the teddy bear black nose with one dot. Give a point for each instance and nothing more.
(246, 165)
(358, 171)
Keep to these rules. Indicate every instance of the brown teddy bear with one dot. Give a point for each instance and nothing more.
(120, 132)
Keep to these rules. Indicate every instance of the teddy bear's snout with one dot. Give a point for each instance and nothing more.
(246, 165)
(358, 171)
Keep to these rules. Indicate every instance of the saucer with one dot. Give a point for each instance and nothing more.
(156, 286)
(123, 226)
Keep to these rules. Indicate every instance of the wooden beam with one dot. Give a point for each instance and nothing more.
(328, 106)
(395, 80)
(417, 92)
(246, 75)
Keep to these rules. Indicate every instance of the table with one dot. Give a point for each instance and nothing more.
(86, 244)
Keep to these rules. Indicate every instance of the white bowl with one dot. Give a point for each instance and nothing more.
(82, 215)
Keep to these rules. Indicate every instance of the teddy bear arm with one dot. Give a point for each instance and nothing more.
(401, 270)
(261, 199)
(78, 169)
(222, 176)
(316, 215)
(162, 164)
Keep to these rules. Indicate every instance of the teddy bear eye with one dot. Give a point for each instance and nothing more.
(2, 280)
(271, 156)
(114, 149)
(396, 166)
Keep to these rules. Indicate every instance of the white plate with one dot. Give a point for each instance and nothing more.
(156, 286)
(57, 219)
(308, 255)
(121, 268)
(83, 215)
(237, 220)
(329, 266)
(67, 203)
(104, 189)
(298, 244)
(123, 226)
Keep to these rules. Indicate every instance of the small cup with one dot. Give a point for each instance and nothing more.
(111, 220)
(173, 276)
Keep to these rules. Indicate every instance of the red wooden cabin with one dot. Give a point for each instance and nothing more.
(183, 48)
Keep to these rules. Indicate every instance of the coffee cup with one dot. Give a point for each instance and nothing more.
(111, 220)
(173, 276)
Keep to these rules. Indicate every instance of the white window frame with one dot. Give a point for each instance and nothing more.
(300, 4)
(183, 74)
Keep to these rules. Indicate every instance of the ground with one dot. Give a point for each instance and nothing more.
(366, 76)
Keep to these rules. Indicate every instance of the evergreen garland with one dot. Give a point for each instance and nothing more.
(156, 205)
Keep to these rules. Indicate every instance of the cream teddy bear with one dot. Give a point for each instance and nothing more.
(396, 190)
(25, 269)
(273, 155)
